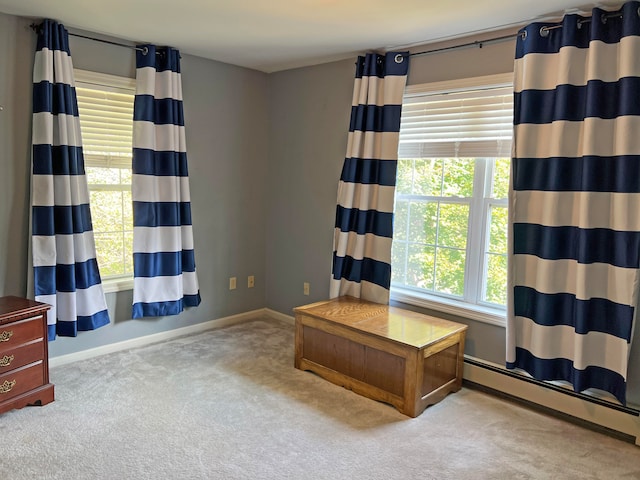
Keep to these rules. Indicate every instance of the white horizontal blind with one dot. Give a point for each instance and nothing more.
(471, 123)
(105, 104)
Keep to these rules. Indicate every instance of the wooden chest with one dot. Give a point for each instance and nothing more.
(403, 358)
(24, 364)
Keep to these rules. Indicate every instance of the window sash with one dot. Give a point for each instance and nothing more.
(477, 233)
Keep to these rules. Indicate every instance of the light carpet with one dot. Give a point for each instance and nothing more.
(228, 404)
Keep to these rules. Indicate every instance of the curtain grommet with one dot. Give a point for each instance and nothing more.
(544, 32)
(399, 58)
(523, 35)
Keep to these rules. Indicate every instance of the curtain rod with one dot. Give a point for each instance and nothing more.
(476, 43)
(544, 31)
(144, 50)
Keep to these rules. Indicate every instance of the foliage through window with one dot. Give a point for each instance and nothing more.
(450, 219)
(105, 106)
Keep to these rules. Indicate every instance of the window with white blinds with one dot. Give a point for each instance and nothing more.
(105, 107)
(476, 121)
(450, 224)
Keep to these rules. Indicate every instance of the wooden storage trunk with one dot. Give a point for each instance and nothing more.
(397, 356)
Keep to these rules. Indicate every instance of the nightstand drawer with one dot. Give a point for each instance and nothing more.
(14, 334)
(21, 380)
(21, 356)
(24, 362)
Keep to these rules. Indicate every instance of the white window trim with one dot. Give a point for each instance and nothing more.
(113, 83)
(486, 81)
(481, 313)
(484, 313)
(117, 284)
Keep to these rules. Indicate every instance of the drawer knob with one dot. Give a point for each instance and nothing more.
(7, 386)
(6, 335)
(6, 361)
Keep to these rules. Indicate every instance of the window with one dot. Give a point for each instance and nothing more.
(105, 106)
(450, 225)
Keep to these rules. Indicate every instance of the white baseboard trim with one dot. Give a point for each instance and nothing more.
(158, 337)
(594, 413)
(280, 316)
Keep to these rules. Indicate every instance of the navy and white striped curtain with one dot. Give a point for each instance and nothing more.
(64, 256)
(364, 213)
(575, 201)
(165, 279)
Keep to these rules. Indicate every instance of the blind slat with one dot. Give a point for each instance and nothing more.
(473, 123)
(106, 123)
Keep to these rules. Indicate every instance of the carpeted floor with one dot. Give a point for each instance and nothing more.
(228, 404)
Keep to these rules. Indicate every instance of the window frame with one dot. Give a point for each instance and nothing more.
(478, 233)
(89, 79)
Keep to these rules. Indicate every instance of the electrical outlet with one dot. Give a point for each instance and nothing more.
(232, 283)
(306, 287)
(251, 281)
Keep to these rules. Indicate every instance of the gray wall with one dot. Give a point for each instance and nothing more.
(17, 44)
(309, 110)
(226, 116)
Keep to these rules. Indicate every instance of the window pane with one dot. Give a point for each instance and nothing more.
(427, 177)
(496, 285)
(498, 230)
(453, 223)
(496, 258)
(501, 172)
(109, 253)
(125, 176)
(420, 266)
(423, 220)
(450, 271)
(400, 214)
(458, 177)
(106, 211)
(404, 177)
(128, 252)
(127, 211)
(398, 262)
(103, 176)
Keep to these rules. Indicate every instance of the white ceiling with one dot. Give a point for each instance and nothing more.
(272, 35)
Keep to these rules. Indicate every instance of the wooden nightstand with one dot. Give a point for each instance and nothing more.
(24, 361)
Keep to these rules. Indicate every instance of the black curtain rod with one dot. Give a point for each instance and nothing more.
(144, 50)
(544, 31)
(477, 43)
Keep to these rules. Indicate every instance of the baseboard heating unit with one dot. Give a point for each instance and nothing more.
(615, 419)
